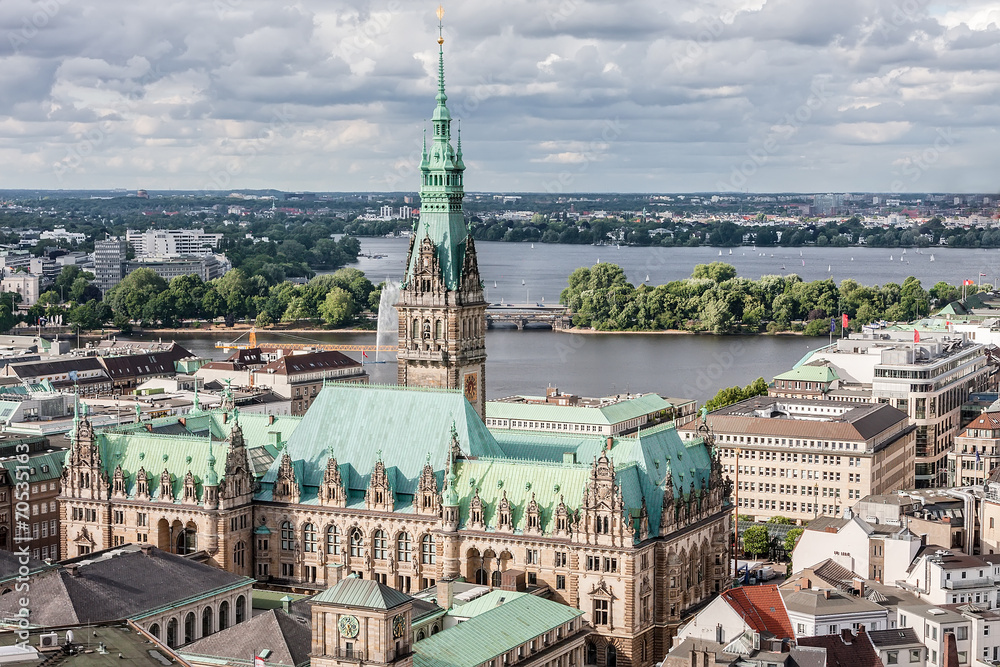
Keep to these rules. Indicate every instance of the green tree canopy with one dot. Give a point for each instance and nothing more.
(756, 540)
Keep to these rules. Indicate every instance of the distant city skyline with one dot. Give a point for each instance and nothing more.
(574, 96)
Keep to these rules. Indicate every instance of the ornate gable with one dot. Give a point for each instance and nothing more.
(166, 486)
(118, 483)
(428, 497)
(142, 485)
(476, 520)
(190, 490)
(504, 519)
(286, 487)
(601, 520)
(533, 518)
(379, 495)
(332, 491)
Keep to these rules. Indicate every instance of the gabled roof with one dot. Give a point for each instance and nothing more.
(57, 367)
(366, 593)
(139, 365)
(844, 650)
(896, 637)
(116, 584)
(288, 640)
(762, 608)
(312, 362)
(357, 421)
(492, 633)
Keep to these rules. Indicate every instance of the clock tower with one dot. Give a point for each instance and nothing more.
(361, 621)
(442, 309)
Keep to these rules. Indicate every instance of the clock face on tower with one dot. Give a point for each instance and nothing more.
(472, 387)
(348, 626)
(398, 626)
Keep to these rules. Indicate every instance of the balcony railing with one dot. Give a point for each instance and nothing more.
(962, 584)
(348, 654)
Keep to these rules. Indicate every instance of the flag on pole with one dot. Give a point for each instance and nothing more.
(968, 282)
(364, 354)
(916, 336)
(977, 456)
(844, 320)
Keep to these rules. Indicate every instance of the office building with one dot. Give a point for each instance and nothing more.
(799, 458)
(109, 263)
(173, 242)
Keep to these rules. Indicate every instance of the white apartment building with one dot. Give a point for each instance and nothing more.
(25, 284)
(799, 458)
(948, 576)
(60, 234)
(881, 552)
(929, 380)
(173, 242)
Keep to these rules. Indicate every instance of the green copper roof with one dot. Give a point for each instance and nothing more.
(605, 415)
(821, 374)
(366, 593)
(357, 422)
(179, 447)
(493, 633)
(442, 219)
(483, 604)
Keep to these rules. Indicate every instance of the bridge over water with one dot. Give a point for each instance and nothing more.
(521, 315)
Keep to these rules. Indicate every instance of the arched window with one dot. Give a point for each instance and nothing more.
(357, 543)
(611, 657)
(172, 633)
(420, 635)
(379, 545)
(495, 576)
(189, 627)
(404, 549)
(239, 553)
(223, 614)
(309, 538)
(154, 630)
(427, 550)
(333, 540)
(287, 536)
(591, 653)
(241, 609)
(206, 622)
(438, 329)
(415, 329)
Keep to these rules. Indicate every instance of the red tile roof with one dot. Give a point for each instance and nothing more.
(845, 650)
(762, 608)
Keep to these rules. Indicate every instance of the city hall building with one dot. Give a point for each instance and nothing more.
(406, 485)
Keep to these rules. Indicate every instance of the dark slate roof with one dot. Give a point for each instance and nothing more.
(140, 365)
(117, 584)
(57, 367)
(288, 639)
(845, 650)
(10, 564)
(367, 593)
(250, 357)
(312, 362)
(897, 637)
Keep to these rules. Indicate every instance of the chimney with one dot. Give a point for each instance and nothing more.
(149, 427)
(73, 569)
(859, 585)
(826, 593)
(950, 651)
(847, 636)
(445, 592)
(270, 419)
(806, 584)
(798, 587)
(225, 417)
(286, 604)
(182, 421)
(146, 548)
(611, 443)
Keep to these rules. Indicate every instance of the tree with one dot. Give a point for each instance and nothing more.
(338, 307)
(791, 538)
(717, 271)
(731, 395)
(781, 520)
(756, 540)
(131, 296)
(263, 320)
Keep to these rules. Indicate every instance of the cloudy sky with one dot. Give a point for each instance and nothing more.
(554, 95)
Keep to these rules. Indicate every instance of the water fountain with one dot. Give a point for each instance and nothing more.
(388, 317)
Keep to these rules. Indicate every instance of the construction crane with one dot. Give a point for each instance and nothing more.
(252, 343)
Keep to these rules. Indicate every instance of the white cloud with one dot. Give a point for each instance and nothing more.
(328, 95)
